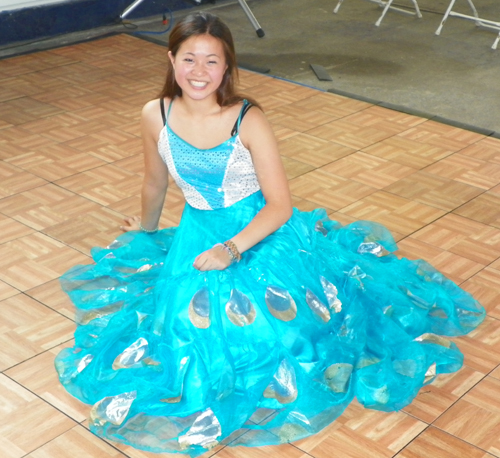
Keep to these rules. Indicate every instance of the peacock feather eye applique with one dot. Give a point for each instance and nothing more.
(317, 306)
(132, 355)
(280, 303)
(112, 409)
(199, 308)
(204, 431)
(283, 386)
(337, 377)
(331, 292)
(239, 309)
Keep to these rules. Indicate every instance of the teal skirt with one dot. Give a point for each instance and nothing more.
(268, 351)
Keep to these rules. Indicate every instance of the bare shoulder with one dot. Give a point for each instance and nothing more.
(255, 128)
(152, 109)
(151, 118)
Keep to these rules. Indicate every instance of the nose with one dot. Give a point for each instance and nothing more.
(199, 68)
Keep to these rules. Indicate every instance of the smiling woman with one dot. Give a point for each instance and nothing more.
(250, 323)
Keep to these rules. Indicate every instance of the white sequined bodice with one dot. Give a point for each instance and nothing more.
(209, 178)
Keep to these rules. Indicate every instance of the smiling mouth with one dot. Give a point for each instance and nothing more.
(198, 84)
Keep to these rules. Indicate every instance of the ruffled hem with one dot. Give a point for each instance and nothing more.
(270, 350)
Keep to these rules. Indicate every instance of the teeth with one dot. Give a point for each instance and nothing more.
(198, 83)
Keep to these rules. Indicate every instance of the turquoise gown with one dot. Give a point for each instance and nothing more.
(268, 351)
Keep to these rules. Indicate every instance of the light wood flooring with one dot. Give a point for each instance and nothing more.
(71, 168)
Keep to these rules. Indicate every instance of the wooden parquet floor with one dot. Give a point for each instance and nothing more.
(71, 168)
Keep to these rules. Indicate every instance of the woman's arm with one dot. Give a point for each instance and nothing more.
(155, 183)
(257, 135)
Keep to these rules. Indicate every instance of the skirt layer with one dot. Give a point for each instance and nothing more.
(268, 351)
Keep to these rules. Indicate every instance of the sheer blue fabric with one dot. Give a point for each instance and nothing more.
(268, 351)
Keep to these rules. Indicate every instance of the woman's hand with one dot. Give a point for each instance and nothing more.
(131, 223)
(216, 258)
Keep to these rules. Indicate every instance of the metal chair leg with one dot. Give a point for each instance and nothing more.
(251, 18)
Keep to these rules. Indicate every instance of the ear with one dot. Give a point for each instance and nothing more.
(171, 57)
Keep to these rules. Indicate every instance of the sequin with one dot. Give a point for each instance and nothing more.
(112, 409)
(317, 306)
(199, 309)
(337, 377)
(372, 247)
(283, 386)
(331, 292)
(204, 431)
(280, 303)
(430, 374)
(434, 339)
(239, 309)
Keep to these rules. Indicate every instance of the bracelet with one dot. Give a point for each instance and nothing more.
(147, 231)
(232, 250)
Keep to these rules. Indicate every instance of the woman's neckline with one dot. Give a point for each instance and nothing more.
(168, 129)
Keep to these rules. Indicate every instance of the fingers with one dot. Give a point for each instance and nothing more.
(131, 224)
(213, 259)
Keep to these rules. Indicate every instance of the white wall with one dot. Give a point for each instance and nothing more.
(7, 5)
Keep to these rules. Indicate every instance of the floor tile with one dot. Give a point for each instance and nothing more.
(358, 430)
(78, 442)
(28, 329)
(436, 443)
(434, 399)
(34, 259)
(27, 422)
(476, 417)
(39, 376)
(398, 214)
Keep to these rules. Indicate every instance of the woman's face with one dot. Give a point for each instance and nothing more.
(199, 66)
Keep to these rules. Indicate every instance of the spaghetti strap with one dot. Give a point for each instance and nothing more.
(162, 108)
(244, 109)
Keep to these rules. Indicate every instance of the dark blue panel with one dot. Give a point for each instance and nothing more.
(73, 16)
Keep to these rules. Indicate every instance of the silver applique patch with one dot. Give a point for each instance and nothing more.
(372, 247)
(84, 362)
(337, 377)
(280, 303)
(331, 295)
(433, 338)
(199, 309)
(431, 373)
(317, 306)
(283, 386)
(183, 365)
(204, 431)
(318, 227)
(239, 309)
(358, 275)
(132, 354)
(112, 409)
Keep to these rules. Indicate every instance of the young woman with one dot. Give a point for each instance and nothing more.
(248, 317)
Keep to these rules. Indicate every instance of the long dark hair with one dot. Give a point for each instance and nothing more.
(199, 24)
